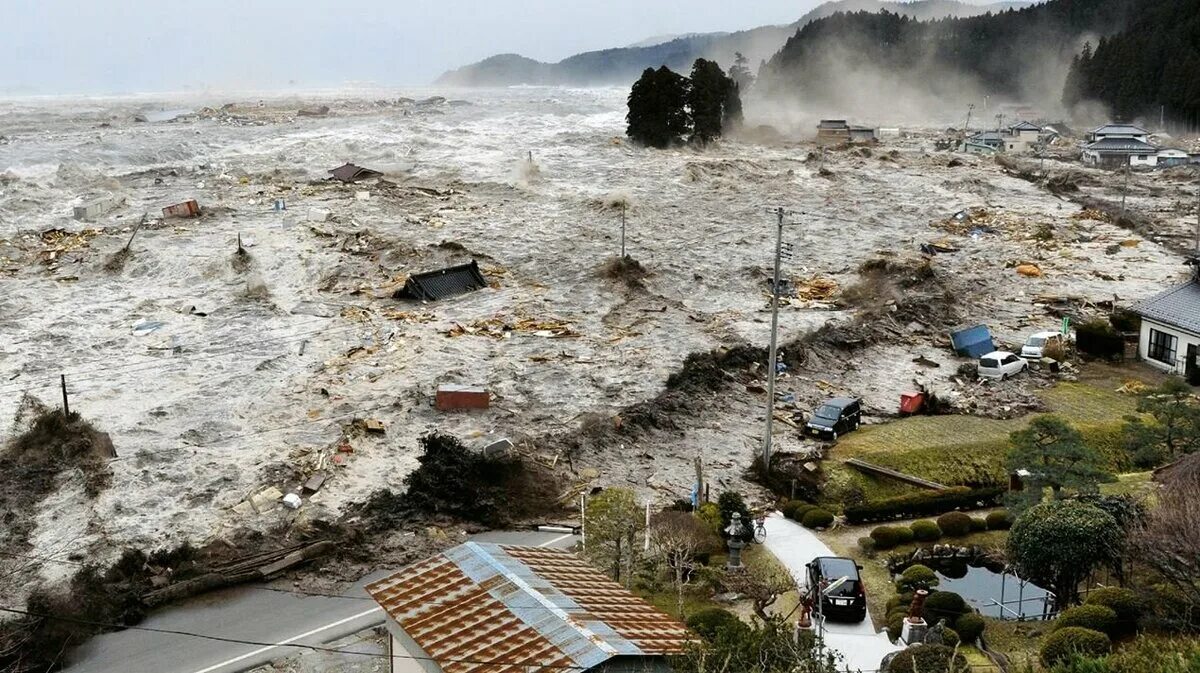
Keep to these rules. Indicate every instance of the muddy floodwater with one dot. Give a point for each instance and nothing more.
(221, 376)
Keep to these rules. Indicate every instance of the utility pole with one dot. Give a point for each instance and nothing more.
(967, 126)
(66, 404)
(1198, 218)
(623, 206)
(1124, 191)
(774, 353)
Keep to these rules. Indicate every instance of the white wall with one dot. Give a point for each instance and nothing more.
(1181, 346)
(1151, 159)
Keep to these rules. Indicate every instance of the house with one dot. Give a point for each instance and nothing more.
(1119, 131)
(350, 173)
(862, 134)
(1019, 137)
(1113, 152)
(1170, 337)
(992, 140)
(832, 132)
(489, 608)
(1022, 136)
(1171, 156)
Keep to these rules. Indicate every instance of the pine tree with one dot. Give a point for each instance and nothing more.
(657, 114)
(740, 73)
(706, 101)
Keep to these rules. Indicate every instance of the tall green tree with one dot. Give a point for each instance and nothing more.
(612, 524)
(707, 100)
(1057, 544)
(1056, 457)
(1175, 431)
(658, 108)
(740, 73)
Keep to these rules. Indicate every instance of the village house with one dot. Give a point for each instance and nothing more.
(1020, 137)
(1119, 131)
(1170, 336)
(1172, 156)
(1023, 136)
(490, 608)
(831, 132)
(1118, 152)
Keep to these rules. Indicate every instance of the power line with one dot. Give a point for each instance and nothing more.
(315, 648)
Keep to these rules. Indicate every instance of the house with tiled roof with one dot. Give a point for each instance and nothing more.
(488, 608)
(1170, 336)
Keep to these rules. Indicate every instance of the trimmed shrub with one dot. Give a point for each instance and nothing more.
(926, 531)
(969, 626)
(904, 534)
(954, 524)
(1000, 519)
(709, 622)
(916, 577)
(885, 537)
(896, 601)
(796, 509)
(928, 659)
(895, 624)
(945, 605)
(1094, 617)
(1125, 320)
(950, 637)
(978, 524)
(1123, 602)
(817, 518)
(867, 545)
(1064, 644)
(926, 503)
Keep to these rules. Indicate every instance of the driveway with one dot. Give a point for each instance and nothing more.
(273, 619)
(859, 645)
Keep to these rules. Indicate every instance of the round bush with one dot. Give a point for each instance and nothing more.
(867, 545)
(950, 637)
(904, 535)
(954, 524)
(945, 605)
(1124, 602)
(885, 537)
(969, 626)
(817, 518)
(1094, 617)
(895, 624)
(1065, 643)
(916, 577)
(926, 531)
(796, 509)
(999, 520)
(978, 524)
(709, 622)
(897, 601)
(927, 659)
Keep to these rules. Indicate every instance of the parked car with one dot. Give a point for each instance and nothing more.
(836, 417)
(845, 602)
(1000, 365)
(1035, 346)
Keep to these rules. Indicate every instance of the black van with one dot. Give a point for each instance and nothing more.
(836, 417)
(845, 602)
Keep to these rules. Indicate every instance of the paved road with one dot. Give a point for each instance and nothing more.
(244, 613)
(860, 646)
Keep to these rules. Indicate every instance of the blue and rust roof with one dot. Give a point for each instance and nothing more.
(483, 608)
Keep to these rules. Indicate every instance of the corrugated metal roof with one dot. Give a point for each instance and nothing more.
(486, 608)
(1179, 307)
(443, 283)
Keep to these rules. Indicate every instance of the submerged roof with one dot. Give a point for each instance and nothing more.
(352, 173)
(443, 283)
(1129, 145)
(1178, 306)
(486, 608)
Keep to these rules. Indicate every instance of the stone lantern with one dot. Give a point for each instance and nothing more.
(736, 530)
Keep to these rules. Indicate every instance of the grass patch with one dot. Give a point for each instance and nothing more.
(969, 450)
(1018, 641)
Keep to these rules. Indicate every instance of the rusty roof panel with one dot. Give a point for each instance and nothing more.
(484, 608)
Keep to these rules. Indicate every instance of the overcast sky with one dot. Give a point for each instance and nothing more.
(96, 46)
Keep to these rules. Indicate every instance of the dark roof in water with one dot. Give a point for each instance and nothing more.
(352, 173)
(839, 124)
(1179, 307)
(443, 283)
(1121, 145)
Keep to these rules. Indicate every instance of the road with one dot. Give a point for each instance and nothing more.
(274, 619)
(794, 545)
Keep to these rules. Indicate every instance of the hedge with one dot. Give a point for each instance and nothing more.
(1094, 617)
(1124, 602)
(978, 524)
(712, 621)
(796, 509)
(954, 524)
(927, 503)
(1065, 643)
(925, 531)
(969, 626)
(945, 605)
(1000, 519)
(1097, 337)
(816, 518)
(887, 537)
(927, 658)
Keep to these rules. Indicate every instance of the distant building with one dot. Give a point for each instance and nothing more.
(1171, 156)
(1170, 337)
(1018, 138)
(1116, 152)
(1022, 136)
(487, 608)
(1119, 131)
(837, 132)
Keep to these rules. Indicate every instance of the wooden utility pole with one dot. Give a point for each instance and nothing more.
(774, 354)
(623, 206)
(1125, 189)
(66, 403)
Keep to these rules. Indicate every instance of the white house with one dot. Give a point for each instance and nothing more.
(1022, 136)
(1170, 338)
(1171, 156)
(488, 608)
(1113, 152)
(1120, 131)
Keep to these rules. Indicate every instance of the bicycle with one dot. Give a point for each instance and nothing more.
(760, 529)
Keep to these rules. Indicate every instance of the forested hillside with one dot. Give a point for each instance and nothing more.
(1153, 63)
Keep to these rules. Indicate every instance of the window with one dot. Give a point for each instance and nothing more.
(1162, 347)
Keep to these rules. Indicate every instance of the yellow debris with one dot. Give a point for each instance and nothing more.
(1029, 270)
(1132, 387)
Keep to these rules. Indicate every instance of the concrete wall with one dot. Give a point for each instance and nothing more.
(401, 646)
(1181, 347)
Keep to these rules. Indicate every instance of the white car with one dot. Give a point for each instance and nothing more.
(1035, 345)
(1000, 365)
